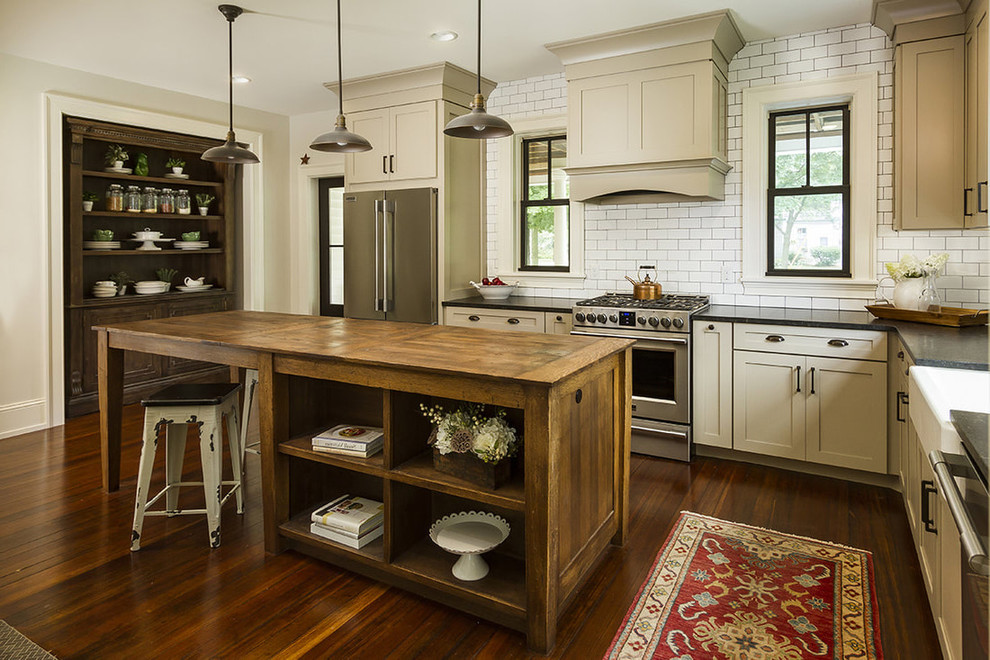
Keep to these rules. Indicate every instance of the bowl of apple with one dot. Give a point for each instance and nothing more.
(494, 288)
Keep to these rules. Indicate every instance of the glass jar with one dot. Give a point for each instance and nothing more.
(166, 201)
(929, 300)
(182, 204)
(132, 201)
(115, 197)
(149, 200)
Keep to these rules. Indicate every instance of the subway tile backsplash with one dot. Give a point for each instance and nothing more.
(694, 244)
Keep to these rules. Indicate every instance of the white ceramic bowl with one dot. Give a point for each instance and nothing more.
(147, 235)
(495, 291)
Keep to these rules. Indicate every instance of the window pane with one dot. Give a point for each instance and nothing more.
(335, 202)
(826, 148)
(789, 150)
(808, 232)
(336, 276)
(547, 235)
(558, 161)
(538, 184)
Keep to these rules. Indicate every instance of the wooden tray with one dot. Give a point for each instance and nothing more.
(955, 317)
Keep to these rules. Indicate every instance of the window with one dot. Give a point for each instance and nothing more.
(544, 207)
(808, 193)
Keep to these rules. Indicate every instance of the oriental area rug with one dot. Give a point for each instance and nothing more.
(15, 646)
(721, 589)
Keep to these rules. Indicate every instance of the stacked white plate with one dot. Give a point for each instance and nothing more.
(192, 245)
(104, 290)
(101, 245)
(150, 286)
(190, 289)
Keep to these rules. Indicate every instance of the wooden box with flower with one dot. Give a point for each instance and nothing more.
(472, 444)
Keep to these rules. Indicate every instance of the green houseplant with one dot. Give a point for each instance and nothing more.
(121, 279)
(166, 275)
(88, 198)
(115, 156)
(203, 202)
(175, 164)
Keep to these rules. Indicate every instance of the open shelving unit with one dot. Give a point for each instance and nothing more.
(85, 142)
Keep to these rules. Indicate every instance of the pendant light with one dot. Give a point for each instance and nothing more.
(229, 152)
(340, 140)
(478, 124)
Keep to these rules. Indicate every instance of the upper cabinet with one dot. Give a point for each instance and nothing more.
(940, 111)
(403, 140)
(647, 109)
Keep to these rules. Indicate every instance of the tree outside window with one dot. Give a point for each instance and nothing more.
(545, 206)
(808, 196)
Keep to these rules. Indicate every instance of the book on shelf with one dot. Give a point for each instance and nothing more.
(350, 513)
(350, 540)
(347, 444)
(353, 435)
(359, 453)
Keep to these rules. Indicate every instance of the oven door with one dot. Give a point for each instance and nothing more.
(661, 386)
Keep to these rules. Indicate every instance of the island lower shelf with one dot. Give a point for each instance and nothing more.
(565, 501)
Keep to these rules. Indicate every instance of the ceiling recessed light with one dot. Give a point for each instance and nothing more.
(241, 79)
(444, 35)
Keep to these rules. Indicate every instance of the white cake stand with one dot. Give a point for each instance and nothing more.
(469, 534)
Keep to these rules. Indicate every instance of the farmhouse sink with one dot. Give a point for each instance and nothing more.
(934, 392)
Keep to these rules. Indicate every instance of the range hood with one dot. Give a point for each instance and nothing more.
(647, 111)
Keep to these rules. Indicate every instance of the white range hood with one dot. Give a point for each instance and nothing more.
(647, 110)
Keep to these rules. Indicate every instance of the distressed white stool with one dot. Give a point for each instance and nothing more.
(204, 405)
(250, 385)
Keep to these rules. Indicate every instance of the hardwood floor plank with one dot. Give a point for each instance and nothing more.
(69, 581)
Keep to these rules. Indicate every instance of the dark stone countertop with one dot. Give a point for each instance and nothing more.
(532, 303)
(929, 345)
(972, 430)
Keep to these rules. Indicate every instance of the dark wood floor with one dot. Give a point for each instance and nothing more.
(69, 582)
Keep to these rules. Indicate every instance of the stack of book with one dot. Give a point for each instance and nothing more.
(350, 440)
(349, 520)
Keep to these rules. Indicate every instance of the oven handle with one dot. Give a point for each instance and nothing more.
(644, 429)
(669, 340)
(976, 554)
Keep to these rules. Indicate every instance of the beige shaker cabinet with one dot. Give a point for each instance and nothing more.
(711, 375)
(558, 323)
(403, 140)
(768, 411)
(976, 192)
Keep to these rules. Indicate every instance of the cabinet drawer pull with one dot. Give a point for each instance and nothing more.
(966, 211)
(799, 379)
(902, 397)
(980, 187)
(927, 488)
(474, 317)
(391, 163)
(384, 164)
(811, 373)
(838, 343)
(512, 321)
(774, 338)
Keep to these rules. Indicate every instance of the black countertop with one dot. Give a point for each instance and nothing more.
(533, 303)
(929, 345)
(972, 430)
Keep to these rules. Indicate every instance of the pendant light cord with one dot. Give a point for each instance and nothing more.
(230, 70)
(340, 68)
(479, 46)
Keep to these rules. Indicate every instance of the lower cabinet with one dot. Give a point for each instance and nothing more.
(143, 372)
(557, 323)
(711, 375)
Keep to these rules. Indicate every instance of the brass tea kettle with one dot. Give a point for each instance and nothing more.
(645, 288)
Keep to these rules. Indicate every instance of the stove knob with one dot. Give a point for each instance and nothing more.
(579, 317)
(602, 318)
(678, 323)
(591, 318)
(641, 320)
(613, 318)
(654, 321)
(665, 321)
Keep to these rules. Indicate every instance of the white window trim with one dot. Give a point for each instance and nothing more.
(860, 92)
(507, 203)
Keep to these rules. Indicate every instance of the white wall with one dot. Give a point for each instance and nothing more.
(25, 361)
(303, 129)
(691, 242)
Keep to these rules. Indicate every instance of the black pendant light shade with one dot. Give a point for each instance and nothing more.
(478, 124)
(340, 140)
(229, 151)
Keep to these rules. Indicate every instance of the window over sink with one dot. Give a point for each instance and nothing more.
(544, 210)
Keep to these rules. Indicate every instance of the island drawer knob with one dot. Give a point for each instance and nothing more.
(512, 321)
(838, 343)
(774, 338)
(474, 317)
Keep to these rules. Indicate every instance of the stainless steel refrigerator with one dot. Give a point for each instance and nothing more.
(390, 255)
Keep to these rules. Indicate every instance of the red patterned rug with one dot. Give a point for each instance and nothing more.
(724, 590)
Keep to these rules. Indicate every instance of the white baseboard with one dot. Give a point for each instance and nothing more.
(22, 417)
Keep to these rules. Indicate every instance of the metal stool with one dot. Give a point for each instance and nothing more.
(250, 385)
(175, 407)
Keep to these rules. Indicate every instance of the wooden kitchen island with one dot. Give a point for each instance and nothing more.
(569, 397)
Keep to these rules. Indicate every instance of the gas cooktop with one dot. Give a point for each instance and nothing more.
(622, 312)
(666, 301)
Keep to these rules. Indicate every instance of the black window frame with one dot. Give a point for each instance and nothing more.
(525, 203)
(844, 189)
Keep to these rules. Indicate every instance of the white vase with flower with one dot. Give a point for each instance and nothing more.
(910, 275)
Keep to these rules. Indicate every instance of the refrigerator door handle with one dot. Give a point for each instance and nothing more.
(388, 226)
(379, 215)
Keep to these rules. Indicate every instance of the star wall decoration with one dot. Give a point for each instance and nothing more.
(304, 160)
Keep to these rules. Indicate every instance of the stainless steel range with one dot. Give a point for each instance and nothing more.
(661, 363)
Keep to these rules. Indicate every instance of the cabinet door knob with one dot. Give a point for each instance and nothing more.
(838, 343)
(900, 355)
(560, 318)
(711, 326)
(512, 321)
(776, 339)
(474, 317)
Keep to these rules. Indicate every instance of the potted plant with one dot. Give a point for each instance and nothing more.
(203, 202)
(176, 164)
(115, 156)
(121, 279)
(472, 445)
(166, 275)
(87, 200)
